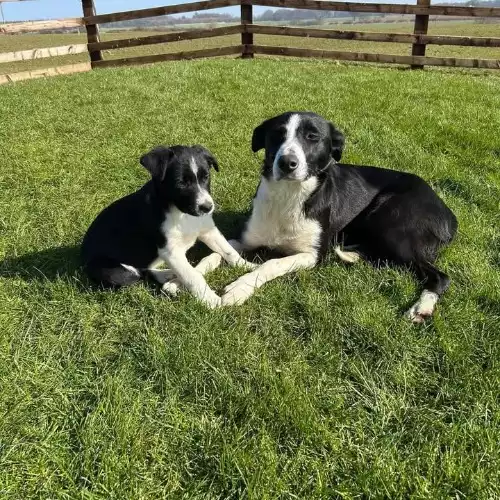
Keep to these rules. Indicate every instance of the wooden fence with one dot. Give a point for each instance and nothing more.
(247, 29)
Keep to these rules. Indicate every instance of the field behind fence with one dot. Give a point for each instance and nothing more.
(458, 44)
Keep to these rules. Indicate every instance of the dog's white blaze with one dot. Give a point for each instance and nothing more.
(194, 166)
(203, 196)
(278, 219)
(292, 146)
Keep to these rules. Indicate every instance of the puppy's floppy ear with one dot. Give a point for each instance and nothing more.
(156, 161)
(209, 157)
(259, 135)
(338, 142)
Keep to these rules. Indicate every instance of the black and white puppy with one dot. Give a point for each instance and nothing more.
(160, 222)
(306, 202)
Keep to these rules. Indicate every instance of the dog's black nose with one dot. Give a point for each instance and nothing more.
(288, 163)
(205, 208)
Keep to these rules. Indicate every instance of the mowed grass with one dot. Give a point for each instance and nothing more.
(317, 387)
(464, 28)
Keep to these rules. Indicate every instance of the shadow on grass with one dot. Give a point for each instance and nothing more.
(64, 261)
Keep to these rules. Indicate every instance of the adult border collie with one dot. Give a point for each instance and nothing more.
(160, 222)
(306, 203)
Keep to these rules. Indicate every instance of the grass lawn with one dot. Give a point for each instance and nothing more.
(30, 41)
(317, 387)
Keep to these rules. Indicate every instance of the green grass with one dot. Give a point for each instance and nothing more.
(23, 42)
(317, 387)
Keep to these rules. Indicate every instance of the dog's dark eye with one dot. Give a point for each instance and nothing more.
(203, 176)
(311, 136)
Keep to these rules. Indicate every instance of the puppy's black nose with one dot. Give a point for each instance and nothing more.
(205, 207)
(288, 163)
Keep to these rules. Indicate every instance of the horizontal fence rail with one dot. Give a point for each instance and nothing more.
(371, 36)
(159, 11)
(247, 29)
(168, 37)
(380, 8)
(376, 58)
(175, 56)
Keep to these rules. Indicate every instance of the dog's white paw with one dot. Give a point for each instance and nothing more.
(172, 287)
(211, 299)
(238, 291)
(423, 308)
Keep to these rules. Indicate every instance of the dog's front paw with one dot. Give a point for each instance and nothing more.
(211, 299)
(238, 291)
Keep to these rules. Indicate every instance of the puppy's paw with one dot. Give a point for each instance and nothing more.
(238, 291)
(171, 287)
(211, 299)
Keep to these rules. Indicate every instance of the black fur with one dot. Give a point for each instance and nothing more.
(388, 216)
(129, 230)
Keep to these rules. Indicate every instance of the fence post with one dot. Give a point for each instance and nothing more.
(246, 38)
(92, 30)
(421, 25)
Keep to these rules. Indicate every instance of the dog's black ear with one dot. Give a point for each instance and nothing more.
(259, 135)
(338, 141)
(209, 157)
(156, 161)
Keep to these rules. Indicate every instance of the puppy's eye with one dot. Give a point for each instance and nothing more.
(311, 136)
(203, 176)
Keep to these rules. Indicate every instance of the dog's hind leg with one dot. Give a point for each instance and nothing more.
(346, 254)
(435, 284)
(109, 273)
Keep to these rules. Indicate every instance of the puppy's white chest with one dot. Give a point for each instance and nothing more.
(182, 230)
(278, 219)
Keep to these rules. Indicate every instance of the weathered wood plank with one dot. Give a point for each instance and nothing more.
(27, 55)
(160, 11)
(420, 28)
(372, 36)
(167, 37)
(378, 58)
(40, 73)
(51, 24)
(384, 8)
(246, 36)
(175, 56)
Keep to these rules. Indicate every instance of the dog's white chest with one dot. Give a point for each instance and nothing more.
(278, 219)
(182, 230)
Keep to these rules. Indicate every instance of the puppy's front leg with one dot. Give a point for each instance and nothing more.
(214, 240)
(190, 278)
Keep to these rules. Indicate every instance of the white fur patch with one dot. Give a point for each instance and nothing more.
(278, 219)
(132, 269)
(194, 166)
(181, 230)
(291, 146)
(203, 197)
(424, 307)
(350, 257)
